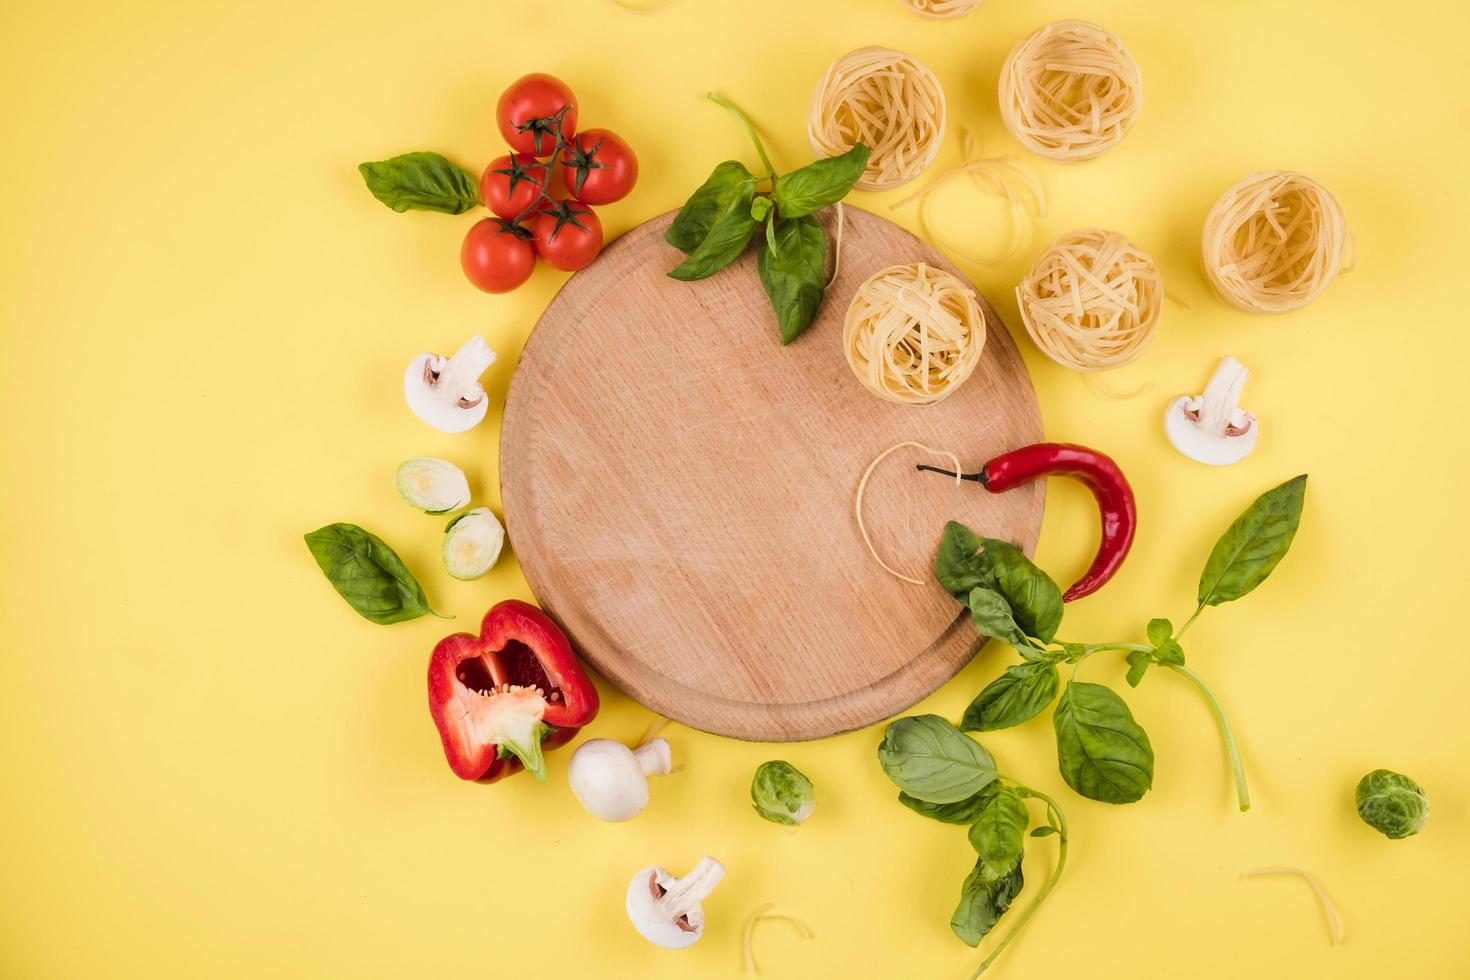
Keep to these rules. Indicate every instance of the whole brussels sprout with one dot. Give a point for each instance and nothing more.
(781, 794)
(1392, 803)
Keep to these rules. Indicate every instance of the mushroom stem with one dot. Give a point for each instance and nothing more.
(461, 373)
(690, 891)
(1219, 406)
(654, 757)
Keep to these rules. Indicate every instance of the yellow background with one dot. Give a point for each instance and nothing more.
(212, 767)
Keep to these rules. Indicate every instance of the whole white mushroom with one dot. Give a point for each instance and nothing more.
(610, 780)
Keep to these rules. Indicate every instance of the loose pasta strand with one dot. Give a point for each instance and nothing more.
(941, 9)
(1334, 922)
(886, 100)
(857, 504)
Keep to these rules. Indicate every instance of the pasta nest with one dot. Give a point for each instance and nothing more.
(941, 9)
(913, 333)
(891, 103)
(1092, 300)
(1274, 241)
(1070, 91)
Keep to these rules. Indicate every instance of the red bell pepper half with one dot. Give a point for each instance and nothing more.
(500, 697)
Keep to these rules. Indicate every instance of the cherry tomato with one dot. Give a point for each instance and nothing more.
(530, 111)
(511, 184)
(497, 256)
(568, 235)
(600, 167)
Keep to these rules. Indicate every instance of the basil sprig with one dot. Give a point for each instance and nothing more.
(721, 218)
(421, 181)
(1102, 751)
(368, 574)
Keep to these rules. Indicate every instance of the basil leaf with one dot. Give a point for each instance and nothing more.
(715, 224)
(984, 898)
(1169, 652)
(1036, 601)
(1046, 831)
(820, 184)
(958, 564)
(792, 261)
(1159, 630)
(367, 573)
(964, 812)
(422, 182)
(992, 616)
(1018, 695)
(1254, 544)
(998, 835)
(929, 758)
(1101, 751)
(1138, 662)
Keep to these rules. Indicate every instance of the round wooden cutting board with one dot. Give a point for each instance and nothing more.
(679, 487)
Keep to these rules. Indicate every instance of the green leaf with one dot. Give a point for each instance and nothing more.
(422, 182)
(984, 898)
(715, 224)
(1046, 831)
(1169, 652)
(929, 758)
(1138, 662)
(958, 565)
(992, 616)
(1017, 695)
(1036, 601)
(999, 833)
(1254, 544)
(367, 573)
(1074, 651)
(820, 184)
(1101, 751)
(792, 262)
(761, 207)
(964, 812)
(1159, 630)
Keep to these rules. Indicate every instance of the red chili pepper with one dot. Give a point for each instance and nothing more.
(500, 697)
(1095, 471)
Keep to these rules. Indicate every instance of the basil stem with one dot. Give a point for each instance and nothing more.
(749, 128)
(1055, 812)
(1242, 792)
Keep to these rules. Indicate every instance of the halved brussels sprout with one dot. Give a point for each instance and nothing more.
(1392, 803)
(781, 794)
(472, 543)
(435, 486)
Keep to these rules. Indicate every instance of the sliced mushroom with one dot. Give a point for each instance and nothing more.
(666, 910)
(445, 391)
(1212, 427)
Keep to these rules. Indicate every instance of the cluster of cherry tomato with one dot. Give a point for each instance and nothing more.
(537, 116)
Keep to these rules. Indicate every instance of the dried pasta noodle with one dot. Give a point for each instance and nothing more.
(941, 9)
(763, 913)
(885, 100)
(991, 174)
(857, 503)
(913, 334)
(1092, 300)
(1334, 921)
(1274, 241)
(1070, 91)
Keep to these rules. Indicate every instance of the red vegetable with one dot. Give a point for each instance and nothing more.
(1095, 471)
(511, 184)
(501, 697)
(497, 255)
(599, 167)
(533, 110)
(568, 235)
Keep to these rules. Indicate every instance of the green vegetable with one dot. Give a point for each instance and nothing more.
(367, 573)
(472, 543)
(421, 182)
(718, 222)
(792, 262)
(998, 818)
(821, 184)
(1392, 804)
(1102, 751)
(434, 486)
(1018, 695)
(929, 758)
(781, 794)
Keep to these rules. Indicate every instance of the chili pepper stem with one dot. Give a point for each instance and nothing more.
(1056, 874)
(975, 477)
(1242, 792)
(749, 128)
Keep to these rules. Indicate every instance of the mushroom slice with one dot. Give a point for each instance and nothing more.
(1212, 427)
(666, 910)
(445, 391)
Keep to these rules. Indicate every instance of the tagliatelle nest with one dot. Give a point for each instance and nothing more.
(1070, 91)
(891, 103)
(1274, 241)
(1092, 300)
(941, 9)
(913, 334)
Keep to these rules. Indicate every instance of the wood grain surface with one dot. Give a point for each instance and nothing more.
(678, 488)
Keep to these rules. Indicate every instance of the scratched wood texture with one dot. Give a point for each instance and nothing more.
(678, 488)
